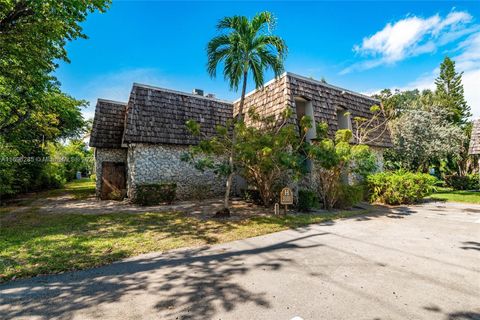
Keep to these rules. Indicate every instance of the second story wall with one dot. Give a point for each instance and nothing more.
(327, 103)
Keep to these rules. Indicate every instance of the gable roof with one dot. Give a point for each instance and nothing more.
(474, 147)
(311, 80)
(158, 115)
(333, 98)
(108, 124)
(326, 99)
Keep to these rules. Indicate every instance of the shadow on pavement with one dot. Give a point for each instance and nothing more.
(200, 282)
(470, 245)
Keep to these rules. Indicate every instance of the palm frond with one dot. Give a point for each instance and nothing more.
(246, 46)
(257, 67)
(261, 20)
(217, 49)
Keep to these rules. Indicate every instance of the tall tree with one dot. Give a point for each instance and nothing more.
(33, 35)
(450, 93)
(245, 46)
(34, 112)
(421, 138)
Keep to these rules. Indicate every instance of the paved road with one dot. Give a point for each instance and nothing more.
(421, 262)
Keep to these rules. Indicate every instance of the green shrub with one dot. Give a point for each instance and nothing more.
(467, 182)
(8, 172)
(307, 200)
(400, 187)
(153, 194)
(349, 196)
(252, 195)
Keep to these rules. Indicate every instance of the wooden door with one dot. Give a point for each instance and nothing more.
(113, 181)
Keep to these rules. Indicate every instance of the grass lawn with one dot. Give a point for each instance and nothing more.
(32, 243)
(79, 189)
(446, 194)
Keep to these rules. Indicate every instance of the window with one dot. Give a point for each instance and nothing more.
(304, 107)
(343, 119)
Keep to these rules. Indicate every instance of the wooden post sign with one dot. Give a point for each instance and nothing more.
(286, 197)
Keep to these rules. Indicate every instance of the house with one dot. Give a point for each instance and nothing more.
(142, 141)
(474, 147)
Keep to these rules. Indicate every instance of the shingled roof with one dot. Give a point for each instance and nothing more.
(157, 115)
(108, 124)
(474, 147)
(326, 100)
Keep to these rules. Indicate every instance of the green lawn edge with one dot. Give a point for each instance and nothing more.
(34, 244)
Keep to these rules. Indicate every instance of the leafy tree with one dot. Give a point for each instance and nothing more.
(450, 93)
(397, 102)
(33, 35)
(7, 168)
(421, 138)
(245, 46)
(334, 159)
(460, 163)
(78, 158)
(34, 113)
(266, 151)
(369, 130)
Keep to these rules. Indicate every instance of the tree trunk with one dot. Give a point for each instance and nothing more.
(239, 118)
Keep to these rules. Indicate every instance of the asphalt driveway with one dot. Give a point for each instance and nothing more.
(419, 262)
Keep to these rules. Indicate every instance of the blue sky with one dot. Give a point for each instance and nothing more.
(362, 46)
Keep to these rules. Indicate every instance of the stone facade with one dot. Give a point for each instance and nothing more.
(379, 155)
(107, 154)
(156, 163)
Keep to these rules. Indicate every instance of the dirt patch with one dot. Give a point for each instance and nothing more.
(67, 203)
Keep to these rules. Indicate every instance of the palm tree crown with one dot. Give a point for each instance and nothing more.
(246, 45)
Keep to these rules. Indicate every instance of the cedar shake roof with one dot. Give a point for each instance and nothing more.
(107, 129)
(157, 115)
(326, 100)
(474, 147)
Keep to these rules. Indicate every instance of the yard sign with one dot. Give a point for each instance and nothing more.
(286, 196)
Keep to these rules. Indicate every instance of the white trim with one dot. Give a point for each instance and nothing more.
(135, 84)
(330, 86)
(293, 75)
(111, 101)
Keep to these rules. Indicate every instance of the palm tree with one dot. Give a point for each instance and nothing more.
(245, 46)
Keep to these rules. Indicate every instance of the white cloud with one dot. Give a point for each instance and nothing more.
(471, 84)
(410, 37)
(470, 53)
(467, 60)
(117, 86)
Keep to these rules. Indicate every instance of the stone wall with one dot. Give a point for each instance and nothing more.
(148, 163)
(106, 154)
(379, 155)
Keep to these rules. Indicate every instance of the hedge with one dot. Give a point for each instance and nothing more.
(467, 182)
(307, 200)
(153, 194)
(400, 187)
